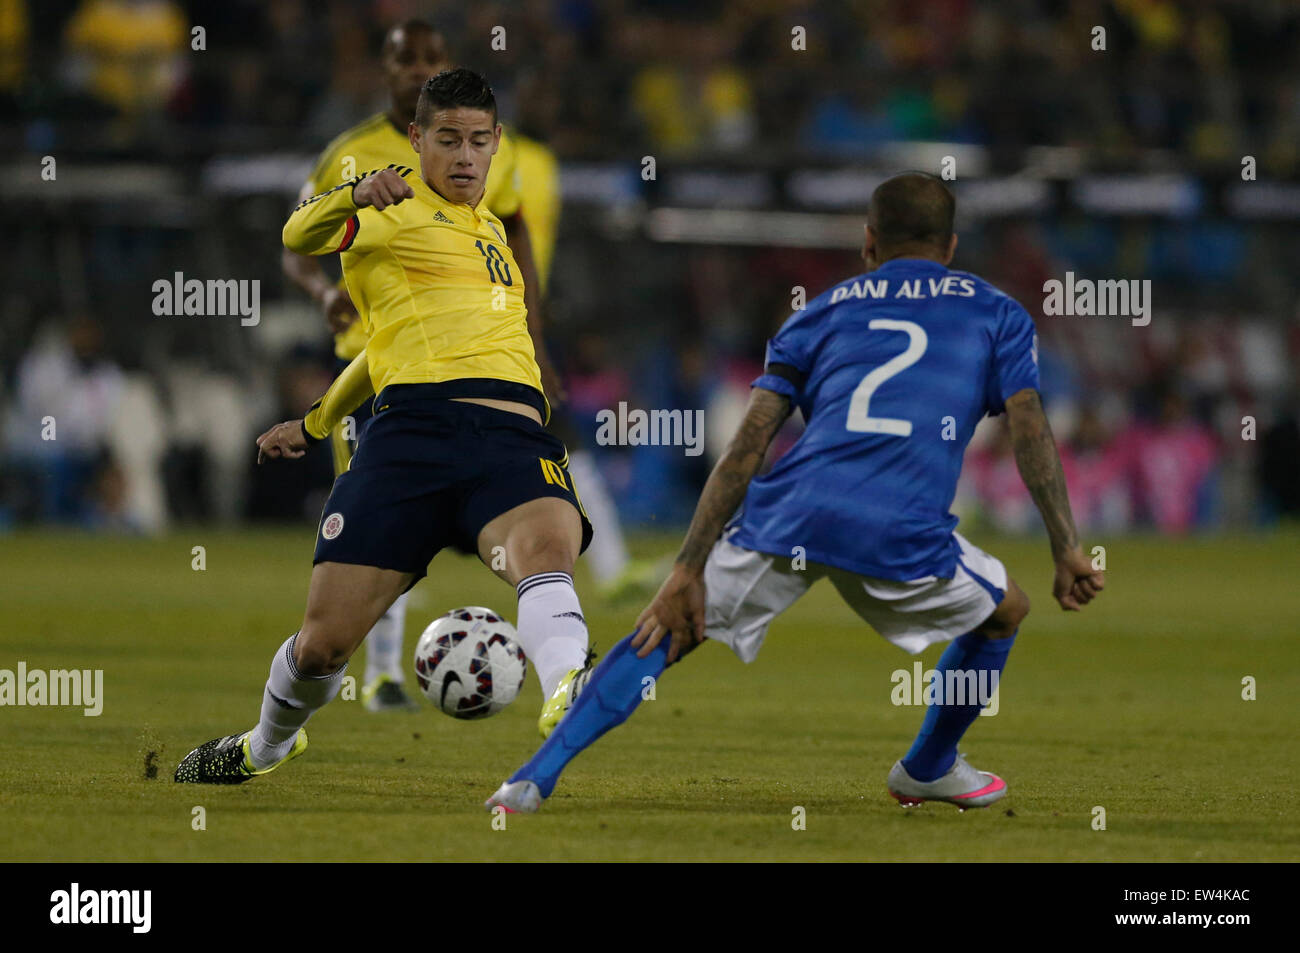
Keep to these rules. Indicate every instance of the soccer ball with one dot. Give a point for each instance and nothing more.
(468, 663)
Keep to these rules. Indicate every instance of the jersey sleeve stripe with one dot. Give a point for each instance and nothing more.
(350, 235)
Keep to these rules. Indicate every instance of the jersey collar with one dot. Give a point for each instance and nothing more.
(910, 264)
(441, 201)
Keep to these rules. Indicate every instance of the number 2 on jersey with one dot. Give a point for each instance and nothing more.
(860, 419)
(498, 268)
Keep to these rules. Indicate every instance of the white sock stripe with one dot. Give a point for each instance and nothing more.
(288, 655)
(542, 579)
(293, 668)
(555, 574)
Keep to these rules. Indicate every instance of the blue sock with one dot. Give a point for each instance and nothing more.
(610, 695)
(935, 748)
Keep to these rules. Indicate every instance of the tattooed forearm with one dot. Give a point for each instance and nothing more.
(725, 489)
(1040, 468)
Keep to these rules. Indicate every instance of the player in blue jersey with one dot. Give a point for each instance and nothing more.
(892, 371)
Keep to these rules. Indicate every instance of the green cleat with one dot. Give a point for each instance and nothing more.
(227, 760)
(386, 694)
(565, 694)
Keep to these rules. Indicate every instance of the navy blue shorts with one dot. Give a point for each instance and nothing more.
(431, 473)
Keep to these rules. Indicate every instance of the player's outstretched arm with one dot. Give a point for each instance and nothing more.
(679, 605)
(1075, 583)
(381, 189)
(284, 440)
(306, 272)
(327, 223)
(726, 486)
(292, 438)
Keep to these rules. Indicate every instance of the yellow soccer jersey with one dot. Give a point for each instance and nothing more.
(539, 195)
(375, 144)
(436, 285)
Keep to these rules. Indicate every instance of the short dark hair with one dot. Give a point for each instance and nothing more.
(912, 208)
(451, 89)
(408, 26)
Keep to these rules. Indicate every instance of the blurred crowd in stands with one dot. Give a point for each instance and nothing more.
(1188, 423)
(1210, 79)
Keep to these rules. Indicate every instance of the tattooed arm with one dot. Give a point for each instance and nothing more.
(725, 489)
(679, 606)
(1075, 583)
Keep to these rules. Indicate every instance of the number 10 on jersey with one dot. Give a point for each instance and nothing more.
(497, 266)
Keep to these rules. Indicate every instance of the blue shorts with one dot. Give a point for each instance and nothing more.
(431, 473)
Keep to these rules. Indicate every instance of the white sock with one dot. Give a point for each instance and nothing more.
(551, 629)
(287, 702)
(607, 554)
(384, 643)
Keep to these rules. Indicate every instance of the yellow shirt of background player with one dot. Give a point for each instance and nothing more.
(375, 144)
(437, 287)
(539, 199)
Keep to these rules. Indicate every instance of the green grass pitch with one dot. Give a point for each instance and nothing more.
(1134, 706)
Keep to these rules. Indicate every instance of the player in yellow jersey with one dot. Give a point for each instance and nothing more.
(412, 52)
(456, 454)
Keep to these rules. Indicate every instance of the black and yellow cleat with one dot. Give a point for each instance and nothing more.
(227, 761)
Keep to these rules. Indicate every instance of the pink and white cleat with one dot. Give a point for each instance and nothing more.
(519, 797)
(962, 785)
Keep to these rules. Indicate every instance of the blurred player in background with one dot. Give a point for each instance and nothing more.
(413, 51)
(616, 575)
(892, 371)
(456, 453)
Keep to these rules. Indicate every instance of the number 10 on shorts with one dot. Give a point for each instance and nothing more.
(552, 472)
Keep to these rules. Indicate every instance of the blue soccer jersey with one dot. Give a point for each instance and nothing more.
(892, 370)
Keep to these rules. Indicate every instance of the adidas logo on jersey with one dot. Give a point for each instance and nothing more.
(439, 217)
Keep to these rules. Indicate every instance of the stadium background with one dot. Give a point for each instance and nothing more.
(1121, 164)
(136, 543)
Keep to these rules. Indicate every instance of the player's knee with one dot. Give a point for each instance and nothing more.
(548, 550)
(315, 655)
(1006, 618)
(1014, 608)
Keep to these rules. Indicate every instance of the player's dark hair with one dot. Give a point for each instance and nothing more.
(407, 27)
(452, 89)
(911, 209)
